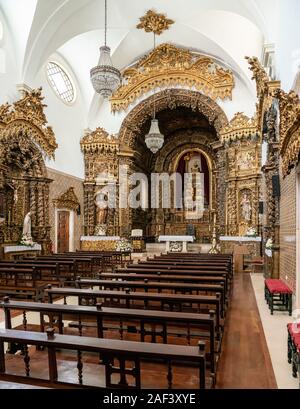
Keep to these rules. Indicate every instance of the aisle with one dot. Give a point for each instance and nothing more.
(245, 361)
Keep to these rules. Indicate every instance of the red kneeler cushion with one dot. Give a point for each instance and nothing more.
(296, 340)
(294, 330)
(277, 286)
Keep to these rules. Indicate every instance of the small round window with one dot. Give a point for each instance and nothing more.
(61, 82)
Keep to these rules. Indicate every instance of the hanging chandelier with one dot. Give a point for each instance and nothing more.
(154, 139)
(105, 77)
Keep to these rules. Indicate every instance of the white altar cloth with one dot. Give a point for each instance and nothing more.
(17, 249)
(100, 238)
(240, 238)
(179, 239)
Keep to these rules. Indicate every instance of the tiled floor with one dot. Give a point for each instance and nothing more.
(276, 336)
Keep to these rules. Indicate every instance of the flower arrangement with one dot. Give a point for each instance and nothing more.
(26, 240)
(124, 245)
(251, 232)
(269, 244)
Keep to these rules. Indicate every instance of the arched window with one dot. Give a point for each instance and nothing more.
(61, 82)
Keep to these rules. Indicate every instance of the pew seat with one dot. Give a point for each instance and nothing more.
(294, 348)
(105, 373)
(278, 295)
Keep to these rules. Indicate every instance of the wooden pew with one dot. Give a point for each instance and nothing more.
(174, 272)
(22, 283)
(214, 284)
(175, 302)
(109, 350)
(62, 269)
(98, 314)
(84, 265)
(159, 287)
(199, 267)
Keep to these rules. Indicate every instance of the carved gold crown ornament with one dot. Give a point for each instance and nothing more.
(241, 126)
(27, 117)
(154, 22)
(99, 141)
(167, 66)
(68, 200)
(289, 105)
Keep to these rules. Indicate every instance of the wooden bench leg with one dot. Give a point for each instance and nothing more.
(271, 303)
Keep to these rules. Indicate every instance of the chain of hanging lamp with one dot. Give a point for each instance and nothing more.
(154, 139)
(105, 77)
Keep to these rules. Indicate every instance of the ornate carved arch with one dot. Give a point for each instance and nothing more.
(165, 162)
(26, 118)
(18, 151)
(170, 99)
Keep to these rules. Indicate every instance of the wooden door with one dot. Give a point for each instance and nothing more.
(63, 232)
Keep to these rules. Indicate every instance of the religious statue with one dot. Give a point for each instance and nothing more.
(102, 213)
(246, 207)
(27, 225)
(26, 239)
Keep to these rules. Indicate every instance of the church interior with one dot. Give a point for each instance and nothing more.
(149, 194)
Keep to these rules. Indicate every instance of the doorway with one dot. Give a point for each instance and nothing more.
(63, 231)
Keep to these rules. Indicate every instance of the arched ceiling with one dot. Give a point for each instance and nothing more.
(74, 29)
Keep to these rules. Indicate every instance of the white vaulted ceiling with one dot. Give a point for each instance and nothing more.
(74, 28)
(71, 32)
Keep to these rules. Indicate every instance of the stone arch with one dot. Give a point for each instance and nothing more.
(170, 99)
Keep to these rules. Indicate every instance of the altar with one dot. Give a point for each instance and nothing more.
(15, 252)
(176, 244)
(99, 243)
(241, 246)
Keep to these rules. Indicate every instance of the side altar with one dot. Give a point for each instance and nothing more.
(176, 244)
(99, 243)
(240, 246)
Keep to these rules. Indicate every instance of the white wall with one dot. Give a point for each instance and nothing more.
(67, 122)
(288, 42)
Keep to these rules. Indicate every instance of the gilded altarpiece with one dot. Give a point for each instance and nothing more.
(101, 168)
(25, 139)
(242, 145)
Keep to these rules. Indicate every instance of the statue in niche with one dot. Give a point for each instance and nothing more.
(246, 207)
(102, 214)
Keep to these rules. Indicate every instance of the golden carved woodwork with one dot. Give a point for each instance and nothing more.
(27, 117)
(170, 99)
(264, 88)
(101, 152)
(168, 66)
(289, 105)
(67, 200)
(99, 141)
(101, 245)
(239, 127)
(154, 22)
(259, 75)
